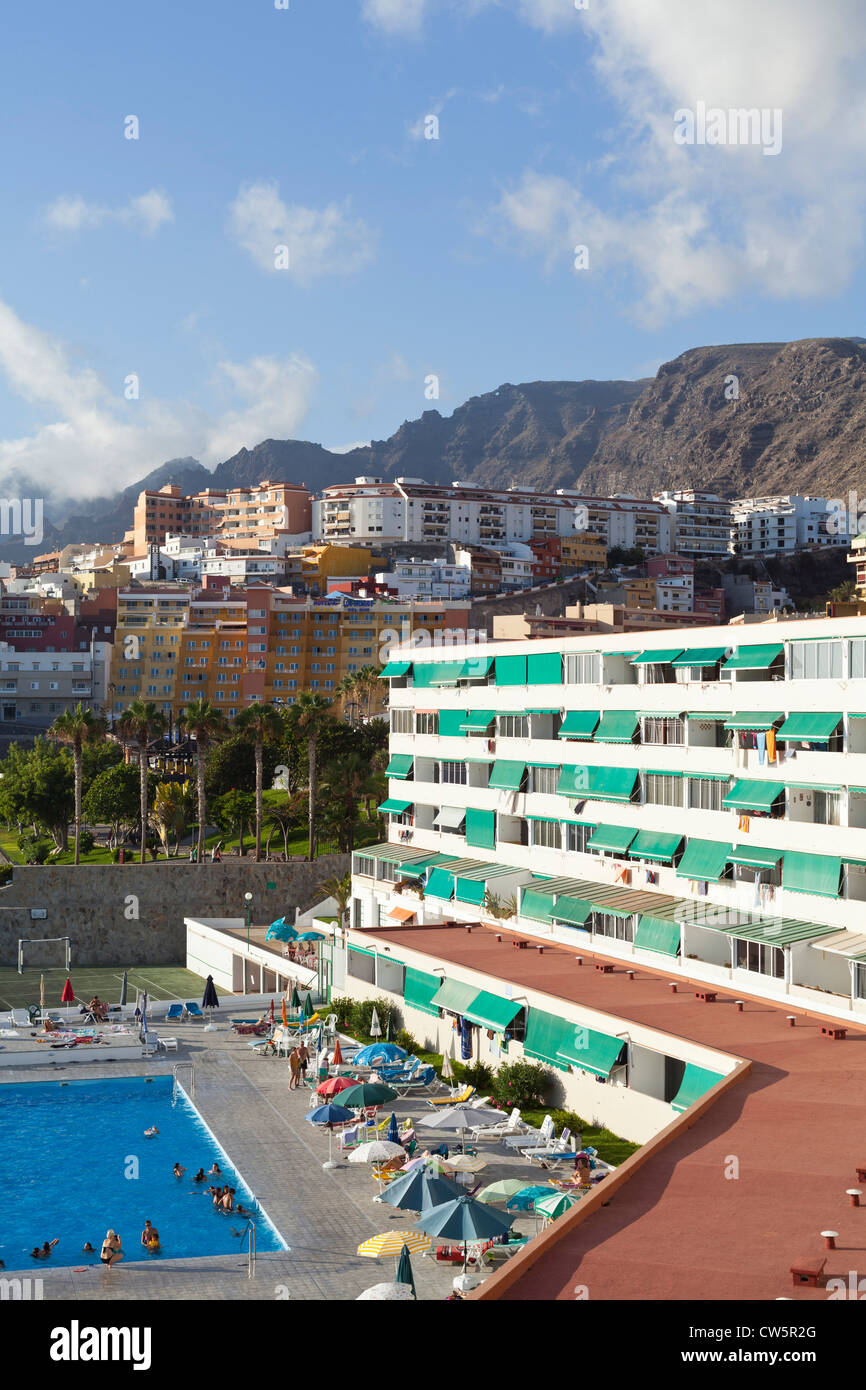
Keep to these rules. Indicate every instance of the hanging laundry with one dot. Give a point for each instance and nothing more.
(703, 889)
(762, 748)
(771, 745)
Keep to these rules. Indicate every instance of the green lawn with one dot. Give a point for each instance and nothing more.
(160, 981)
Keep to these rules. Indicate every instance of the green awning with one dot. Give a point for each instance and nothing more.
(579, 723)
(510, 670)
(695, 1083)
(655, 934)
(477, 720)
(450, 723)
(750, 794)
(419, 989)
(588, 1050)
(475, 668)
(755, 856)
(545, 1034)
(612, 839)
(454, 995)
(417, 867)
(506, 776)
(656, 845)
(704, 859)
(492, 1011)
(440, 884)
(762, 720)
(617, 726)
(572, 910)
(611, 783)
(449, 818)
(544, 668)
(812, 873)
(395, 807)
(394, 668)
(471, 891)
(542, 709)
(480, 828)
(810, 726)
(400, 765)
(699, 656)
(573, 781)
(660, 657)
(709, 716)
(756, 658)
(537, 906)
(432, 673)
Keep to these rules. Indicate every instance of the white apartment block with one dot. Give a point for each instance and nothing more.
(691, 802)
(410, 510)
(428, 579)
(37, 687)
(778, 525)
(702, 522)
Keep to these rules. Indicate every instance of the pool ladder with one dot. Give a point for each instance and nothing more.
(179, 1067)
(250, 1236)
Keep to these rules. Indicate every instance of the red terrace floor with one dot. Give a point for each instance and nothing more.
(679, 1229)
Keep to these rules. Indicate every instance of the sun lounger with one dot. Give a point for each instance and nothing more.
(21, 1018)
(459, 1096)
(193, 1009)
(533, 1138)
(175, 1013)
(419, 1083)
(513, 1125)
(551, 1146)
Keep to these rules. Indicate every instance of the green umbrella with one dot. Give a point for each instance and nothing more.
(501, 1191)
(557, 1203)
(296, 998)
(404, 1273)
(366, 1093)
(308, 1006)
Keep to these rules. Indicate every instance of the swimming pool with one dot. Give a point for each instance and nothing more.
(74, 1162)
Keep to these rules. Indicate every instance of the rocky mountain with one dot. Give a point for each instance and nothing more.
(742, 419)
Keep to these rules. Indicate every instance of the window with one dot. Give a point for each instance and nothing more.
(547, 833)
(763, 960)
(828, 808)
(662, 789)
(454, 773)
(816, 661)
(543, 779)
(401, 721)
(512, 726)
(576, 837)
(706, 793)
(665, 730)
(607, 924)
(427, 723)
(583, 668)
(387, 872)
(857, 662)
(365, 866)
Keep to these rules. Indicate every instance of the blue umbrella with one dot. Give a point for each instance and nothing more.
(420, 1190)
(209, 999)
(524, 1200)
(280, 931)
(393, 1135)
(404, 1271)
(311, 936)
(378, 1052)
(326, 1116)
(464, 1220)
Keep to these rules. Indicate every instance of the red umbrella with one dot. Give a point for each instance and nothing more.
(68, 995)
(272, 1012)
(337, 1056)
(332, 1087)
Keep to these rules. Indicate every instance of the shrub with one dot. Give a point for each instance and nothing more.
(362, 1014)
(5, 873)
(344, 1008)
(34, 851)
(407, 1041)
(85, 842)
(479, 1075)
(521, 1083)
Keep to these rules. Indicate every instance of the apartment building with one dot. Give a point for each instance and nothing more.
(585, 551)
(782, 525)
(695, 803)
(412, 510)
(427, 578)
(244, 513)
(702, 522)
(38, 686)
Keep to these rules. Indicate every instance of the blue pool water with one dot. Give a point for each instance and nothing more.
(66, 1149)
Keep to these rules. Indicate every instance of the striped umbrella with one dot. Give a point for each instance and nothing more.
(556, 1203)
(376, 1151)
(392, 1242)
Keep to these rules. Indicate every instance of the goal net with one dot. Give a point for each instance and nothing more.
(44, 953)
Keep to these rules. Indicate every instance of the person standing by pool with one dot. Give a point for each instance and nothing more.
(294, 1069)
(303, 1060)
(150, 1238)
(111, 1249)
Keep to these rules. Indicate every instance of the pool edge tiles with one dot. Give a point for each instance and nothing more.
(79, 1195)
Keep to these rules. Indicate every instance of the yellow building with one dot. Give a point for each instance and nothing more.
(640, 593)
(584, 551)
(319, 563)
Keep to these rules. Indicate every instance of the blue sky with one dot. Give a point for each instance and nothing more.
(407, 256)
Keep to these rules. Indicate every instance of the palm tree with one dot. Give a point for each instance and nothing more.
(172, 811)
(309, 716)
(261, 723)
(345, 689)
(75, 727)
(207, 725)
(340, 889)
(348, 780)
(138, 725)
(368, 682)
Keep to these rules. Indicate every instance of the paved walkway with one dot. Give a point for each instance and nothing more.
(322, 1214)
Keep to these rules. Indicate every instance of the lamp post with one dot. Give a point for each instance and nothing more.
(248, 898)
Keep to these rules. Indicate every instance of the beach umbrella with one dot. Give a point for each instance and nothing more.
(447, 1069)
(68, 995)
(390, 1031)
(366, 1093)
(525, 1199)
(465, 1163)
(285, 1015)
(375, 1025)
(280, 931)
(272, 1013)
(393, 1135)
(123, 988)
(432, 1163)
(337, 1056)
(420, 1190)
(461, 1117)
(296, 999)
(209, 999)
(387, 1293)
(143, 1025)
(378, 1052)
(42, 997)
(555, 1203)
(327, 1116)
(463, 1220)
(393, 1243)
(501, 1191)
(333, 1086)
(377, 1151)
(308, 1006)
(404, 1271)
(311, 936)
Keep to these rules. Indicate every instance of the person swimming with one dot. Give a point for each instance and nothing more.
(150, 1237)
(149, 1133)
(43, 1252)
(215, 1169)
(199, 1176)
(87, 1248)
(178, 1170)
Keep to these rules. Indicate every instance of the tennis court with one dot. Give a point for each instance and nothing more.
(160, 981)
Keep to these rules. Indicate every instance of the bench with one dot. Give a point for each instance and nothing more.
(707, 996)
(808, 1270)
(603, 968)
(832, 1030)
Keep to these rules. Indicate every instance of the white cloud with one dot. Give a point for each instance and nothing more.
(147, 212)
(91, 440)
(319, 242)
(404, 18)
(347, 448)
(690, 225)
